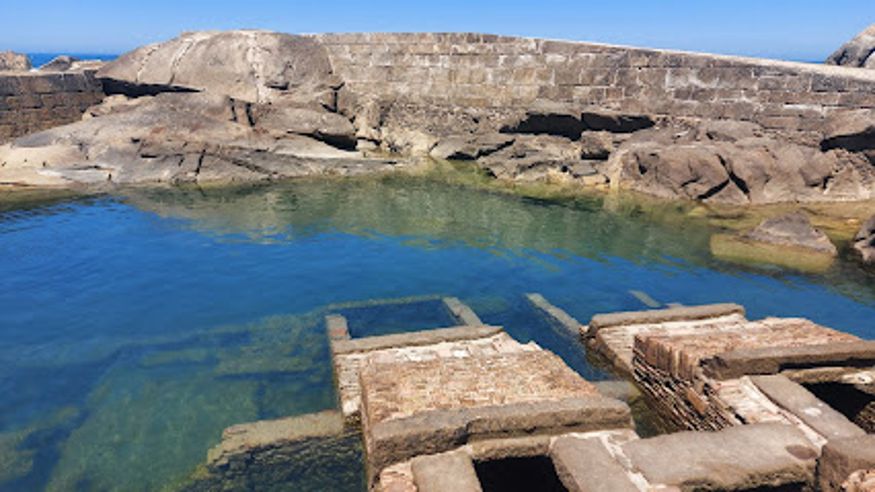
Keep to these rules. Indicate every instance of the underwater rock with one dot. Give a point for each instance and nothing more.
(793, 230)
(810, 250)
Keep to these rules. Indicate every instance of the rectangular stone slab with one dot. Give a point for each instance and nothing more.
(429, 337)
(348, 365)
(771, 360)
(586, 465)
(462, 312)
(686, 313)
(402, 389)
(556, 315)
(681, 353)
(800, 402)
(738, 458)
(447, 472)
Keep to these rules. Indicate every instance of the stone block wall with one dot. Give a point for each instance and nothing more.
(488, 71)
(31, 102)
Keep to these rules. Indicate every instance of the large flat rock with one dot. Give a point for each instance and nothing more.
(739, 458)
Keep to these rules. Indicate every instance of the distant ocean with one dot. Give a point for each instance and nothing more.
(40, 59)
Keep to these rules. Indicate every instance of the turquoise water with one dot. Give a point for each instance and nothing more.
(133, 329)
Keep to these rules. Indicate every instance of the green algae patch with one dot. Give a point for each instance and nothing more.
(738, 250)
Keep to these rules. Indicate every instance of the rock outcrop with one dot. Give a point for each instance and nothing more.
(864, 241)
(674, 125)
(738, 163)
(60, 63)
(794, 230)
(177, 138)
(254, 66)
(14, 62)
(858, 52)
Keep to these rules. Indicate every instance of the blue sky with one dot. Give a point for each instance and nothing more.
(800, 29)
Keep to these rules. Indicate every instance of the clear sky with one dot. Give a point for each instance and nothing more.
(794, 29)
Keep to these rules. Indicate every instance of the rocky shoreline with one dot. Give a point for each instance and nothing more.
(250, 106)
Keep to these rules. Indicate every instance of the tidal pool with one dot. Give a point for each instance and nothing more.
(134, 328)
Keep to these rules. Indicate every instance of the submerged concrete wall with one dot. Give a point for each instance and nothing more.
(488, 71)
(31, 102)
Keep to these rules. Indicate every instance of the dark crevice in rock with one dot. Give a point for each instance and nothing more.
(615, 123)
(341, 142)
(113, 87)
(853, 143)
(740, 183)
(200, 163)
(713, 191)
(560, 125)
(825, 183)
(250, 119)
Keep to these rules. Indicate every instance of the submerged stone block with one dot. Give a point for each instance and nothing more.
(310, 452)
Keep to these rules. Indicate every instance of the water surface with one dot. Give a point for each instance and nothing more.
(133, 329)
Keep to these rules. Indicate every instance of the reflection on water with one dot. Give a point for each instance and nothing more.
(135, 329)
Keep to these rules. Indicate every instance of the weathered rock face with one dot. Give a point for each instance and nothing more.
(178, 138)
(793, 230)
(60, 63)
(864, 241)
(857, 52)
(253, 66)
(674, 125)
(14, 62)
(734, 163)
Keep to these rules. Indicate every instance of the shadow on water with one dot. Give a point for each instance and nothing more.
(137, 328)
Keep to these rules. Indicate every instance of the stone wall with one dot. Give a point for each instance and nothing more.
(31, 102)
(488, 71)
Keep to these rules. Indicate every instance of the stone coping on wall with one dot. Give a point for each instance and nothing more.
(552, 45)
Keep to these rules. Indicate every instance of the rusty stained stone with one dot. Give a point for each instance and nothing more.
(399, 390)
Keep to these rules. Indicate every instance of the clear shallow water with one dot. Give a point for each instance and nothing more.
(134, 329)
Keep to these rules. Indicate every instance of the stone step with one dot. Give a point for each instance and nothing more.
(794, 398)
(738, 458)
